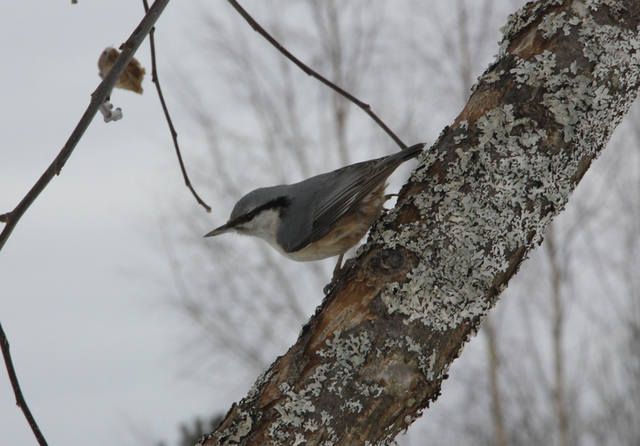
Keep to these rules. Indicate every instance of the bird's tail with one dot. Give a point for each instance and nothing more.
(413, 151)
(408, 153)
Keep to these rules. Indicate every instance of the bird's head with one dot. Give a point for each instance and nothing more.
(257, 213)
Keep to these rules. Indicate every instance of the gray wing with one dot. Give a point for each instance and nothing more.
(335, 194)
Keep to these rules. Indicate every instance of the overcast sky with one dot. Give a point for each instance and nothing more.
(81, 281)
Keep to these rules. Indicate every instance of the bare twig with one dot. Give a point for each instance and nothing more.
(20, 401)
(366, 107)
(97, 99)
(174, 134)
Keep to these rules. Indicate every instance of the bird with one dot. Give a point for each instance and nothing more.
(322, 216)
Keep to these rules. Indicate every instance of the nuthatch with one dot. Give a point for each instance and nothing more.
(322, 216)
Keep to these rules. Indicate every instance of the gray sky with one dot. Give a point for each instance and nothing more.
(82, 282)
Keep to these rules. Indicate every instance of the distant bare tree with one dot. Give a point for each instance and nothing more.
(615, 259)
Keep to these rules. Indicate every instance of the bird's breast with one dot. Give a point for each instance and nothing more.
(346, 232)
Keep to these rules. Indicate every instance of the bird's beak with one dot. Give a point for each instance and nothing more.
(221, 230)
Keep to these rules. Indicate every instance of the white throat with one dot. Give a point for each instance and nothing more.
(264, 225)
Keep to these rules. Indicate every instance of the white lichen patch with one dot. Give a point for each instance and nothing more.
(569, 96)
(552, 23)
(419, 299)
(325, 418)
(426, 356)
(517, 21)
(402, 237)
(426, 362)
(243, 421)
(297, 404)
(239, 429)
(332, 438)
(430, 367)
(262, 379)
(369, 390)
(460, 137)
(536, 72)
(346, 353)
(296, 409)
(616, 6)
(299, 439)
(352, 406)
(488, 77)
(310, 425)
(612, 48)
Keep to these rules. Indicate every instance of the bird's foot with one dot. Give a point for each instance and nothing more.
(328, 287)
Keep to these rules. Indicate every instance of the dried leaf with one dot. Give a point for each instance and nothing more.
(132, 77)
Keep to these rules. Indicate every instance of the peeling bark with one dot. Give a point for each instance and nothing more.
(378, 348)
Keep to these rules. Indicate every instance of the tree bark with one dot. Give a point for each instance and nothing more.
(375, 353)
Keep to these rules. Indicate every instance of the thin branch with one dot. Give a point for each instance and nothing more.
(366, 107)
(174, 134)
(20, 401)
(97, 99)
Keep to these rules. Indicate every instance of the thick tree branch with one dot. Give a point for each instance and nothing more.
(13, 378)
(364, 106)
(378, 348)
(97, 99)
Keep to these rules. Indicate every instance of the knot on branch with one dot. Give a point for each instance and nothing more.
(389, 263)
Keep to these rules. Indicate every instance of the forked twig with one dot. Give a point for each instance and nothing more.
(364, 106)
(174, 134)
(97, 99)
(20, 401)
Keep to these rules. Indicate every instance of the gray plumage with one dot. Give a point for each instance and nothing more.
(309, 210)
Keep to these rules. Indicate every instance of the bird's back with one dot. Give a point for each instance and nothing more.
(319, 202)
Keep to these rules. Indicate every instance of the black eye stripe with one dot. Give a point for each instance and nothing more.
(276, 203)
